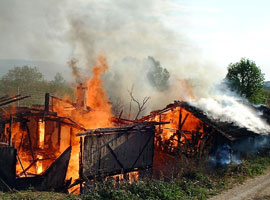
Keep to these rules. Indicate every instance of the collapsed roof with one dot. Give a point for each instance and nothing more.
(228, 129)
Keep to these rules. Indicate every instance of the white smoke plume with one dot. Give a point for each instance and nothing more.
(126, 33)
(233, 110)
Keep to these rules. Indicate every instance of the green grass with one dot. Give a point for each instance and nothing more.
(34, 195)
(193, 182)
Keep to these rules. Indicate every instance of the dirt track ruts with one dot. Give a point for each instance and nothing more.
(251, 189)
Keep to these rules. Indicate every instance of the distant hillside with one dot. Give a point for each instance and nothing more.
(48, 69)
(267, 85)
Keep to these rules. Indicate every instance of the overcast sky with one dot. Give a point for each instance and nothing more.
(221, 31)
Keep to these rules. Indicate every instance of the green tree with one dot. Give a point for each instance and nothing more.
(29, 81)
(157, 75)
(246, 78)
(60, 87)
(25, 81)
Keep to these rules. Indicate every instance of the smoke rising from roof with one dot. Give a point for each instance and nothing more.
(230, 109)
(125, 33)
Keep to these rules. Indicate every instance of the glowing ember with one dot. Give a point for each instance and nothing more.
(41, 134)
(39, 165)
(184, 129)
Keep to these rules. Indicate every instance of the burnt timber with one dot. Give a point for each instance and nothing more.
(117, 150)
(204, 138)
(23, 124)
(52, 179)
(228, 130)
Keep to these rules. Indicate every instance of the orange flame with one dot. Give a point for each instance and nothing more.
(170, 135)
(95, 114)
(98, 116)
(41, 132)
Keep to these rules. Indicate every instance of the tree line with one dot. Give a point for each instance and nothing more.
(243, 77)
(29, 81)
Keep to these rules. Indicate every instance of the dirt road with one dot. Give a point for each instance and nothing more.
(253, 189)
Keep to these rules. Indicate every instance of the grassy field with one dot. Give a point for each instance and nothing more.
(193, 182)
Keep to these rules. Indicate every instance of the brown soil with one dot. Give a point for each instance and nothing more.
(253, 189)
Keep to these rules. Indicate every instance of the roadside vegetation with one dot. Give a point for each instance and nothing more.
(193, 181)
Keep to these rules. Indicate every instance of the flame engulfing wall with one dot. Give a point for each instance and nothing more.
(42, 133)
(185, 133)
(39, 139)
(96, 113)
(193, 132)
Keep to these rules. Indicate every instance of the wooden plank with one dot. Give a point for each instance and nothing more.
(7, 166)
(13, 100)
(30, 142)
(115, 156)
(120, 129)
(10, 130)
(47, 102)
(18, 158)
(9, 98)
(105, 153)
(147, 143)
(52, 179)
(55, 175)
(81, 162)
(3, 97)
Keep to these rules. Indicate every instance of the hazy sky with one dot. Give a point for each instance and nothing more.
(221, 31)
(225, 31)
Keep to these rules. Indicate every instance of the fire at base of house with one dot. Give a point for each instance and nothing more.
(50, 150)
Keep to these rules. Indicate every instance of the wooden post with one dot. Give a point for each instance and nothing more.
(159, 127)
(59, 134)
(81, 163)
(9, 131)
(2, 131)
(30, 142)
(18, 158)
(179, 128)
(47, 102)
(52, 105)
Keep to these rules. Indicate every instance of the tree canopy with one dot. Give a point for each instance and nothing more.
(157, 75)
(29, 81)
(246, 78)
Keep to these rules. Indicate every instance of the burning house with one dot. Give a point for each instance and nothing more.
(62, 144)
(40, 141)
(193, 133)
(43, 147)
